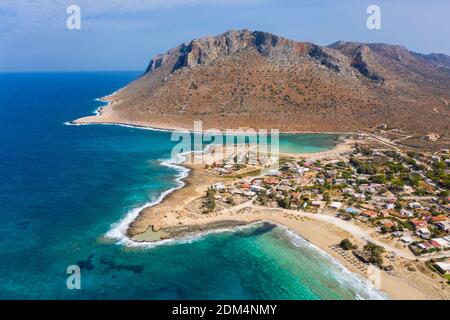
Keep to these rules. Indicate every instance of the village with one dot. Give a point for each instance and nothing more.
(402, 198)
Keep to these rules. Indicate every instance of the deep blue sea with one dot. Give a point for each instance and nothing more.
(62, 188)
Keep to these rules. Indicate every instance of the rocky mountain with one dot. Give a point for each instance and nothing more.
(260, 80)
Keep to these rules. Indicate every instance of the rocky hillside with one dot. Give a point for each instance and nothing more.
(260, 80)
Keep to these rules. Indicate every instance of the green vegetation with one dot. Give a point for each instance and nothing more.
(396, 185)
(413, 154)
(411, 179)
(396, 167)
(262, 197)
(363, 167)
(346, 244)
(364, 150)
(285, 202)
(385, 229)
(379, 178)
(210, 200)
(252, 173)
(439, 174)
(393, 154)
(375, 252)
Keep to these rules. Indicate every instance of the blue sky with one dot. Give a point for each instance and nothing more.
(124, 35)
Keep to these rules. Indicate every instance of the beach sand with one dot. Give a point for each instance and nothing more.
(399, 284)
(173, 218)
(177, 217)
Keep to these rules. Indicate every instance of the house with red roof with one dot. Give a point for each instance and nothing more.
(271, 180)
(416, 223)
(370, 213)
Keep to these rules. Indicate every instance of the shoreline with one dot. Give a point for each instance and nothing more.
(119, 230)
(232, 226)
(109, 119)
(134, 229)
(187, 173)
(323, 236)
(168, 222)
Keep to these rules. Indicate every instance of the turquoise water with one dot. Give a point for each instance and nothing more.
(63, 187)
(304, 143)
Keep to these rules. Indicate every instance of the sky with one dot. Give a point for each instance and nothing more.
(125, 34)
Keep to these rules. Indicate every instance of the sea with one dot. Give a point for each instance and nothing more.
(67, 193)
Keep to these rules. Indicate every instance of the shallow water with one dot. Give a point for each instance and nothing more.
(63, 187)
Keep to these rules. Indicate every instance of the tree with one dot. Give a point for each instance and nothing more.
(379, 178)
(375, 254)
(346, 244)
(413, 154)
(385, 229)
(210, 200)
(262, 197)
(397, 185)
(285, 202)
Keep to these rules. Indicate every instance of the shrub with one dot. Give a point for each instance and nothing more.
(375, 254)
(346, 244)
(210, 200)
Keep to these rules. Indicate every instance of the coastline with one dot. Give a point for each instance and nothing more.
(105, 115)
(119, 230)
(165, 221)
(191, 184)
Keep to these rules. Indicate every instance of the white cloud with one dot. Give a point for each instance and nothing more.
(23, 15)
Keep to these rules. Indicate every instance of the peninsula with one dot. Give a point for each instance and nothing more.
(364, 203)
(380, 198)
(242, 78)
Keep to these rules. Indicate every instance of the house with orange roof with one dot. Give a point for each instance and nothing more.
(438, 218)
(370, 213)
(416, 223)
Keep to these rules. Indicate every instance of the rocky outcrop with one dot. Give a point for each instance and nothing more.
(244, 78)
(324, 58)
(361, 58)
(360, 62)
(207, 50)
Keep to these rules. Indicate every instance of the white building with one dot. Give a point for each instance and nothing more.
(302, 170)
(414, 205)
(256, 188)
(442, 242)
(218, 186)
(443, 225)
(443, 267)
(406, 213)
(407, 240)
(336, 205)
(424, 233)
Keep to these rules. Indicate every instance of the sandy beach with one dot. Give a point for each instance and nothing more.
(398, 285)
(177, 216)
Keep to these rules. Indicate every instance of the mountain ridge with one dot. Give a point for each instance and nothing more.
(244, 78)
